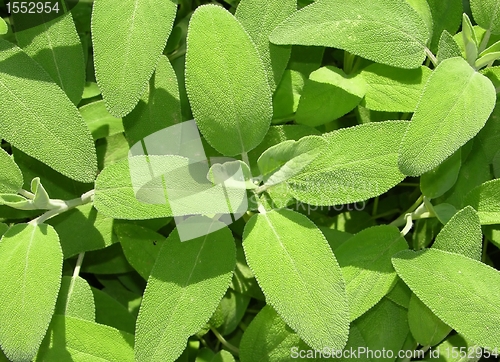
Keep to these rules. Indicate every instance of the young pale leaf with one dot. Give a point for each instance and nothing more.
(357, 164)
(287, 253)
(78, 340)
(275, 135)
(469, 40)
(486, 200)
(55, 45)
(75, 299)
(487, 14)
(99, 121)
(249, 14)
(115, 197)
(55, 134)
(398, 30)
(217, 43)
(30, 276)
(446, 16)
(158, 108)
(269, 339)
(391, 89)
(438, 129)
(11, 178)
(448, 47)
(365, 260)
(437, 181)
(128, 39)
(185, 286)
(140, 246)
(232, 174)
(328, 86)
(288, 158)
(426, 328)
(467, 296)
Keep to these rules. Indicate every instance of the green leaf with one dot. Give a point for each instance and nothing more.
(469, 39)
(448, 47)
(30, 276)
(437, 181)
(288, 158)
(3, 228)
(249, 14)
(90, 90)
(287, 95)
(462, 235)
(115, 197)
(446, 15)
(325, 86)
(128, 39)
(275, 135)
(111, 312)
(215, 72)
(357, 164)
(438, 129)
(100, 122)
(393, 24)
(400, 294)
(75, 299)
(158, 108)
(391, 89)
(41, 200)
(427, 329)
(140, 246)
(11, 178)
(388, 317)
(55, 134)
(185, 286)
(306, 59)
(485, 199)
(365, 260)
(316, 308)
(83, 229)
(232, 174)
(111, 150)
(467, 296)
(486, 14)
(423, 9)
(269, 339)
(4, 28)
(495, 48)
(78, 340)
(56, 46)
(229, 312)
(109, 260)
(486, 59)
(16, 202)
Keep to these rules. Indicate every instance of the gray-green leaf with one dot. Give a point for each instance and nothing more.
(78, 340)
(287, 253)
(128, 39)
(365, 260)
(55, 45)
(358, 163)
(230, 98)
(11, 178)
(467, 296)
(30, 276)
(485, 199)
(249, 14)
(328, 94)
(39, 119)
(391, 89)
(487, 14)
(388, 31)
(185, 286)
(438, 129)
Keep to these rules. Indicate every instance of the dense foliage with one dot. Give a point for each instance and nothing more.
(254, 180)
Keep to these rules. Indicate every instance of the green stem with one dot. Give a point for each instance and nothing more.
(60, 206)
(485, 246)
(401, 220)
(78, 266)
(375, 206)
(225, 343)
